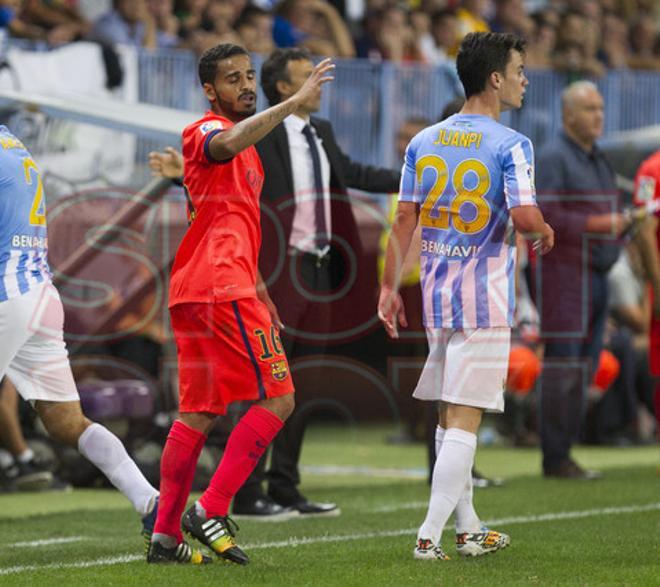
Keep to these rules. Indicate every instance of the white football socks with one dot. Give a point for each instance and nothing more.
(467, 519)
(450, 476)
(107, 452)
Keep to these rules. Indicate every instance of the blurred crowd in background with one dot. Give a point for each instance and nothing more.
(584, 37)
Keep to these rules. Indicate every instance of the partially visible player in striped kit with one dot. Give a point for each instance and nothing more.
(464, 179)
(33, 354)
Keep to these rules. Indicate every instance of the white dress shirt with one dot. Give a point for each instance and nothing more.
(304, 220)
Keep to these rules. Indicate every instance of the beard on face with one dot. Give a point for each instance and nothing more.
(236, 109)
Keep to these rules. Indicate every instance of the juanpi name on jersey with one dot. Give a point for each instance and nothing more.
(457, 251)
(28, 241)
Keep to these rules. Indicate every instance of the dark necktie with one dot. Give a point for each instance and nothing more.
(319, 201)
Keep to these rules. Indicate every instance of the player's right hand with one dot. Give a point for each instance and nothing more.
(168, 163)
(391, 311)
(545, 244)
(311, 88)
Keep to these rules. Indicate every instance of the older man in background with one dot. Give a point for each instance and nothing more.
(578, 196)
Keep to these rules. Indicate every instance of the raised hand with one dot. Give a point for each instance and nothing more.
(309, 92)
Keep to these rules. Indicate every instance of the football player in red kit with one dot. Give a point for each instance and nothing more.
(647, 191)
(225, 325)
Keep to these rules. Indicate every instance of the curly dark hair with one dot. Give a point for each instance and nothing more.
(208, 62)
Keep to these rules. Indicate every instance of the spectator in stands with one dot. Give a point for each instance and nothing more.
(572, 178)
(11, 20)
(217, 27)
(539, 53)
(615, 50)
(592, 10)
(389, 36)
(167, 24)
(510, 17)
(255, 26)
(471, 18)
(62, 22)
(130, 22)
(645, 45)
(315, 25)
(190, 14)
(575, 49)
(439, 43)
(420, 22)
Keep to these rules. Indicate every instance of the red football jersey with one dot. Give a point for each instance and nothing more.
(647, 183)
(217, 258)
(647, 188)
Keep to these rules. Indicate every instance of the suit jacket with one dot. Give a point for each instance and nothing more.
(277, 196)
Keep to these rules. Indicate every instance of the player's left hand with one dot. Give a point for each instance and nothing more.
(264, 296)
(391, 312)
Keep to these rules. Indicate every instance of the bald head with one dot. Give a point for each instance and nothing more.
(582, 112)
(576, 92)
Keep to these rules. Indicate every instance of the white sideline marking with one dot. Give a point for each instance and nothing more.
(295, 542)
(387, 472)
(411, 505)
(48, 541)
(99, 562)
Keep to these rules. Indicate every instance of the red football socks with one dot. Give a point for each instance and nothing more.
(177, 469)
(656, 402)
(247, 442)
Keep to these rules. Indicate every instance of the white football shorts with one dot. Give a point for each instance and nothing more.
(466, 367)
(32, 352)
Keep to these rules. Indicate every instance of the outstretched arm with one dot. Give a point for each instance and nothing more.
(229, 143)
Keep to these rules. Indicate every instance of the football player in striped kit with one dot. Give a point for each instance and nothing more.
(33, 354)
(469, 181)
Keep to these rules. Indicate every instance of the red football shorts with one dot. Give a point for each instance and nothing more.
(227, 352)
(654, 348)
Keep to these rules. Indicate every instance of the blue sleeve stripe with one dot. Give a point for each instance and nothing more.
(207, 147)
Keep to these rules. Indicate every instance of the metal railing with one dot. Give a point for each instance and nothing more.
(368, 101)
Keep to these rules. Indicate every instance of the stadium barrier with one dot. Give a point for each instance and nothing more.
(368, 101)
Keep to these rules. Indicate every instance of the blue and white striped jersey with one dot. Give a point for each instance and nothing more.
(23, 238)
(466, 172)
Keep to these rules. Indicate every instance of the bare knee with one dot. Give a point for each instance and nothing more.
(281, 406)
(64, 421)
(200, 421)
(464, 417)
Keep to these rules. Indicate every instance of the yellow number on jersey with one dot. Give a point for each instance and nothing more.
(439, 165)
(37, 217)
(474, 196)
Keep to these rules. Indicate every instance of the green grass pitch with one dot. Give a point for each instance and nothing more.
(604, 532)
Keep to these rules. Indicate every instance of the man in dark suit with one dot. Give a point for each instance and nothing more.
(310, 258)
